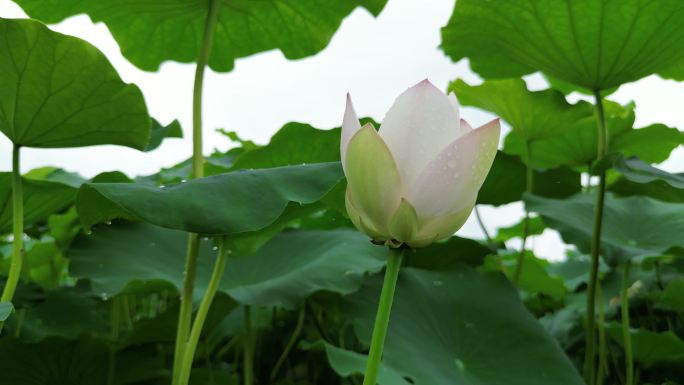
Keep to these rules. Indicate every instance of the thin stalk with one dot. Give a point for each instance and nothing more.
(590, 357)
(185, 316)
(185, 312)
(382, 316)
(18, 231)
(482, 225)
(201, 316)
(115, 323)
(291, 343)
(627, 337)
(248, 348)
(603, 363)
(21, 313)
(529, 184)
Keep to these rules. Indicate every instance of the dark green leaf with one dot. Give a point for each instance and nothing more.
(461, 327)
(593, 44)
(150, 33)
(505, 182)
(229, 203)
(54, 361)
(651, 348)
(534, 277)
(640, 178)
(122, 258)
(632, 227)
(60, 91)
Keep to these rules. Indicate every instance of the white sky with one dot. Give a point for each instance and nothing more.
(373, 58)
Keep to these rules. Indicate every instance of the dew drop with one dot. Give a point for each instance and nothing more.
(438, 283)
(215, 248)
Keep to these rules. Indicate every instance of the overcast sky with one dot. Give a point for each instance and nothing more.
(373, 58)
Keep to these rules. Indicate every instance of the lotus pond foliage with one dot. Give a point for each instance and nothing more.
(330, 255)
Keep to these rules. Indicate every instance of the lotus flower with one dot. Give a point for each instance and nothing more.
(415, 181)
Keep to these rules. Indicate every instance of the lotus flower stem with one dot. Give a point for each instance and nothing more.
(18, 231)
(627, 337)
(383, 315)
(529, 184)
(185, 313)
(201, 316)
(590, 358)
(603, 359)
(248, 349)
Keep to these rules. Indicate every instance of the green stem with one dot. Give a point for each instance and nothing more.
(590, 358)
(248, 348)
(291, 343)
(382, 316)
(185, 316)
(603, 363)
(18, 231)
(627, 337)
(185, 313)
(529, 185)
(115, 324)
(201, 316)
(482, 225)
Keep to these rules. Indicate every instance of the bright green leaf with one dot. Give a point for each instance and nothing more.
(60, 91)
(150, 33)
(532, 115)
(593, 44)
(651, 348)
(632, 227)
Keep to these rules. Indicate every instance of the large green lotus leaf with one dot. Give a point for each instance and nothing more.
(577, 147)
(294, 143)
(505, 182)
(54, 361)
(592, 44)
(640, 178)
(42, 198)
(150, 33)
(60, 91)
(125, 257)
(228, 203)
(461, 327)
(533, 115)
(295, 264)
(632, 227)
(651, 348)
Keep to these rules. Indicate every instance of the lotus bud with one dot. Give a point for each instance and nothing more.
(416, 179)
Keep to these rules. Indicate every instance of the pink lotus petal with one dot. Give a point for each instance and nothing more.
(456, 174)
(350, 125)
(420, 124)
